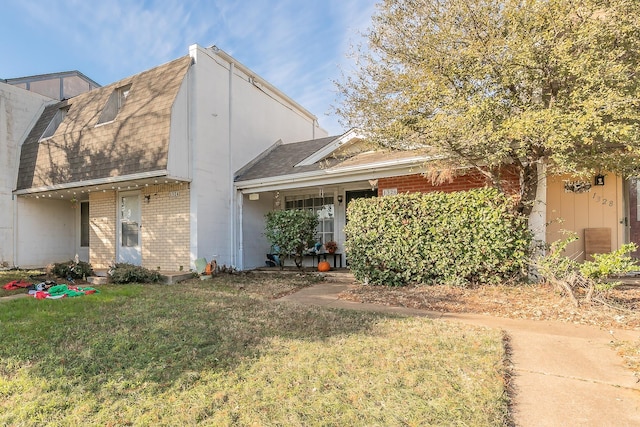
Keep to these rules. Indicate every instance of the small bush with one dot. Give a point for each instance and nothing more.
(129, 273)
(456, 238)
(291, 233)
(583, 281)
(75, 270)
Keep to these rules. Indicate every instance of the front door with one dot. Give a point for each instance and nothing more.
(358, 194)
(129, 249)
(633, 218)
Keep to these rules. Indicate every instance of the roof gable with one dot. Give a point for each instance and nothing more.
(347, 138)
(136, 141)
(283, 159)
(335, 159)
(305, 156)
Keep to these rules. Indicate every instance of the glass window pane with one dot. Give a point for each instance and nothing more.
(322, 207)
(84, 224)
(129, 218)
(129, 234)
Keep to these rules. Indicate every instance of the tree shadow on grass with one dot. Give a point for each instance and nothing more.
(161, 334)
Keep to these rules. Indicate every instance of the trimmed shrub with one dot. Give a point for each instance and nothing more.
(75, 270)
(129, 273)
(460, 238)
(291, 233)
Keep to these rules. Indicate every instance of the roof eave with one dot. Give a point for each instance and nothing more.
(99, 182)
(330, 148)
(334, 175)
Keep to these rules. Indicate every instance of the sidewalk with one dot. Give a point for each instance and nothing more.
(564, 374)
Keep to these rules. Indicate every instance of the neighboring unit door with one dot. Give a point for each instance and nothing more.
(129, 249)
(360, 194)
(357, 194)
(633, 220)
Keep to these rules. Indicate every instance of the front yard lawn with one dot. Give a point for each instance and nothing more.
(222, 352)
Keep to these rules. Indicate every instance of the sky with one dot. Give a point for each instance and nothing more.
(300, 46)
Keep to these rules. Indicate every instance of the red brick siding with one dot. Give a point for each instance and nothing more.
(472, 179)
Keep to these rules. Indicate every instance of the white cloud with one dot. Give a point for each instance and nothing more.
(296, 46)
(120, 37)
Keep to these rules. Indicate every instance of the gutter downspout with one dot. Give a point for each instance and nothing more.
(232, 194)
(192, 133)
(14, 261)
(240, 252)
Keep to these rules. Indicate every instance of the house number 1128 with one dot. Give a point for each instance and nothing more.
(599, 199)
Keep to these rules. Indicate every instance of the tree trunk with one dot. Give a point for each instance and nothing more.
(528, 188)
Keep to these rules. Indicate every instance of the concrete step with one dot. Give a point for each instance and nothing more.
(98, 280)
(171, 277)
(100, 272)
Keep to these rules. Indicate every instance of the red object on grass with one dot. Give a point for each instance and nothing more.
(16, 284)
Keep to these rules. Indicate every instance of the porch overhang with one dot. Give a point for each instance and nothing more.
(333, 176)
(69, 190)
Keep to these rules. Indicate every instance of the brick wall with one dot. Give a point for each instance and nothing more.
(166, 227)
(472, 179)
(102, 229)
(165, 222)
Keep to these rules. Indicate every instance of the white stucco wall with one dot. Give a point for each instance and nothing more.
(254, 243)
(19, 110)
(179, 165)
(232, 121)
(45, 232)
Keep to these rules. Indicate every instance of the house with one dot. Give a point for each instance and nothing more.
(179, 162)
(63, 85)
(142, 170)
(323, 175)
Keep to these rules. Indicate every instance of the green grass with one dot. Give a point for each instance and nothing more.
(222, 352)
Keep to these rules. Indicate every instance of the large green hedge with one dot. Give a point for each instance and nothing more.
(462, 237)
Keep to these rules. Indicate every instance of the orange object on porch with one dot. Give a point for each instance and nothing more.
(324, 266)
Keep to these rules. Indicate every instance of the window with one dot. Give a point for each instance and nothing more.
(323, 207)
(55, 122)
(114, 104)
(84, 224)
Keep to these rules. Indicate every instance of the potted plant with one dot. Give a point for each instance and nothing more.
(331, 247)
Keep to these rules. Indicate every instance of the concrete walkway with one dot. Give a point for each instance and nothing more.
(564, 374)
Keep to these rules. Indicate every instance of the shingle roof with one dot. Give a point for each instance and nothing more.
(136, 141)
(281, 159)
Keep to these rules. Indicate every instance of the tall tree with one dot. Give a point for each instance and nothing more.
(488, 83)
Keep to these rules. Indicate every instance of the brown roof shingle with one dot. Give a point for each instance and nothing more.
(136, 141)
(281, 160)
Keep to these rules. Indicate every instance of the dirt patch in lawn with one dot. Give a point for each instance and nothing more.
(617, 308)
